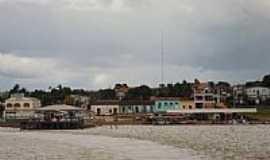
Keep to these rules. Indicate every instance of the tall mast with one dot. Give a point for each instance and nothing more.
(162, 57)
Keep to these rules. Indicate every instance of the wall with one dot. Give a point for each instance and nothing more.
(187, 105)
(164, 105)
(126, 109)
(17, 108)
(105, 110)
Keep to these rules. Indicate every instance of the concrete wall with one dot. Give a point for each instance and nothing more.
(20, 108)
(164, 105)
(187, 105)
(105, 110)
(128, 109)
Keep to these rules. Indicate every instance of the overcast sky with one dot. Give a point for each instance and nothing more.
(96, 43)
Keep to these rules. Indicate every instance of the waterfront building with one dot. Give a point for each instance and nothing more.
(163, 104)
(20, 107)
(187, 104)
(258, 94)
(121, 90)
(206, 96)
(80, 101)
(239, 94)
(58, 117)
(136, 106)
(105, 107)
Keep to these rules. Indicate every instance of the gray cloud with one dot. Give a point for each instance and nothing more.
(102, 42)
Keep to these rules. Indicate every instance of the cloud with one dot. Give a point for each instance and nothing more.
(96, 43)
(13, 66)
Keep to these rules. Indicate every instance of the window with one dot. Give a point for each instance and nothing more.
(115, 111)
(176, 103)
(199, 98)
(17, 105)
(26, 105)
(190, 106)
(137, 109)
(9, 105)
(209, 98)
(171, 104)
(184, 107)
(98, 111)
(165, 104)
(159, 105)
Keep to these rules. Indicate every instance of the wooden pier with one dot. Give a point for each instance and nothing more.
(58, 117)
(78, 124)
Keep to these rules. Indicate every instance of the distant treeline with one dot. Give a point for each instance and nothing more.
(62, 94)
(265, 82)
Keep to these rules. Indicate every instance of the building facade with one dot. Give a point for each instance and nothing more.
(121, 90)
(206, 96)
(105, 107)
(187, 104)
(258, 94)
(20, 107)
(239, 94)
(132, 107)
(80, 101)
(163, 104)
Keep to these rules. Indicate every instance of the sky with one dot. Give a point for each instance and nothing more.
(94, 44)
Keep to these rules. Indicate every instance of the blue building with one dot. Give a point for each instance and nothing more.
(165, 104)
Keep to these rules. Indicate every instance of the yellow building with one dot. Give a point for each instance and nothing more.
(187, 104)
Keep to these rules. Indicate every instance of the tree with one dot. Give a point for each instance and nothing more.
(223, 84)
(196, 81)
(15, 89)
(138, 93)
(254, 83)
(266, 80)
(106, 94)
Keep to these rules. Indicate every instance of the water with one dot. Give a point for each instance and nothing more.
(47, 145)
(139, 143)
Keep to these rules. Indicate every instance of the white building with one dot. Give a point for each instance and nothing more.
(20, 107)
(258, 93)
(81, 101)
(239, 94)
(105, 107)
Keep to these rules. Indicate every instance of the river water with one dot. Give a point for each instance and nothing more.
(239, 142)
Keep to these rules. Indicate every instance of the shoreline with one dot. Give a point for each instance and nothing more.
(9, 125)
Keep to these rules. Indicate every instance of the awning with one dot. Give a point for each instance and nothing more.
(60, 108)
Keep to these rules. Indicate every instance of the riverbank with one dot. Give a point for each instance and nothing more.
(263, 114)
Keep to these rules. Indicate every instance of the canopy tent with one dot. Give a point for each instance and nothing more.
(60, 108)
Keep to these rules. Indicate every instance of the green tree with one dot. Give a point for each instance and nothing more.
(15, 89)
(138, 93)
(266, 80)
